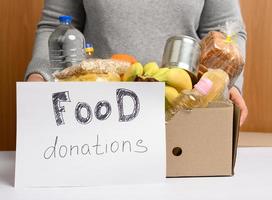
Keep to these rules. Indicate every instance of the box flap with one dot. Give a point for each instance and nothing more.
(236, 129)
(220, 104)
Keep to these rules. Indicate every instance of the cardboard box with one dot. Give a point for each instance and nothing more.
(203, 142)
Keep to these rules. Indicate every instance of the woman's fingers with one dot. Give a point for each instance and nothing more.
(237, 98)
(35, 78)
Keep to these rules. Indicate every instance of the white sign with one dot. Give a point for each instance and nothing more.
(85, 134)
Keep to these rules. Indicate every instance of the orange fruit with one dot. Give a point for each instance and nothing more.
(124, 57)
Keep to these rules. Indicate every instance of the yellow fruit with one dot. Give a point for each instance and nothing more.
(134, 70)
(179, 79)
(151, 68)
(170, 95)
(161, 75)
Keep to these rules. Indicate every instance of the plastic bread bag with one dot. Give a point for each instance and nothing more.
(94, 70)
(219, 49)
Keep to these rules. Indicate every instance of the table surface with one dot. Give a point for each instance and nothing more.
(252, 180)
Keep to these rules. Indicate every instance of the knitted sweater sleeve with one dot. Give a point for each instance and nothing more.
(49, 21)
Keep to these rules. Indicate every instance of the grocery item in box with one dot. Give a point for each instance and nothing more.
(219, 90)
(182, 52)
(219, 50)
(94, 70)
(211, 87)
(89, 50)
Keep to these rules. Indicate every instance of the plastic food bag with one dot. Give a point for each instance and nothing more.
(220, 50)
(94, 70)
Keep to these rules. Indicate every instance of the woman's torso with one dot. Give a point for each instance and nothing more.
(139, 27)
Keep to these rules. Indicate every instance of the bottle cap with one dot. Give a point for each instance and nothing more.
(65, 19)
(204, 85)
(89, 45)
(89, 48)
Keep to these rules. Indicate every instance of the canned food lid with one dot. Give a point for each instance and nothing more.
(184, 37)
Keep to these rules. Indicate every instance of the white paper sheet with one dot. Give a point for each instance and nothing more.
(75, 142)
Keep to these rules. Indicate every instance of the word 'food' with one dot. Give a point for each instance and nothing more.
(60, 97)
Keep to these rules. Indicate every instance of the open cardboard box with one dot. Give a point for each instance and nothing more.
(203, 142)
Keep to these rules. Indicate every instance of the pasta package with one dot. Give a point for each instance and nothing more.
(219, 50)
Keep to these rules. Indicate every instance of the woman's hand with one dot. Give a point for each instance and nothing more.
(237, 98)
(35, 78)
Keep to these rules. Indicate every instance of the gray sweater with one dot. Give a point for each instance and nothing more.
(136, 27)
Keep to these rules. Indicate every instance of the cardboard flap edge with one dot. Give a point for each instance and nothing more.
(236, 129)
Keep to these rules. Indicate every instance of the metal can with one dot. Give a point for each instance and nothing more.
(183, 52)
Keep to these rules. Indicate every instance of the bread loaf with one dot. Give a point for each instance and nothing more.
(218, 52)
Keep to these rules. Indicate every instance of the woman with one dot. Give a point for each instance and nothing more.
(139, 28)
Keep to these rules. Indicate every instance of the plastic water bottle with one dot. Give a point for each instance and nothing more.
(66, 45)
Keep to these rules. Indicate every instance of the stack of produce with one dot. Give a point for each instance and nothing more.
(176, 79)
(220, 64)
(178, 83)
(126, 68)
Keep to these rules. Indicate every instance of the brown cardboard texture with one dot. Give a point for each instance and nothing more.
(203, 142)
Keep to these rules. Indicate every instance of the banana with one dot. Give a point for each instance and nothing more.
(170, 95)
(179, 79)
(133, 71)
(150, 69)
(161, 75)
